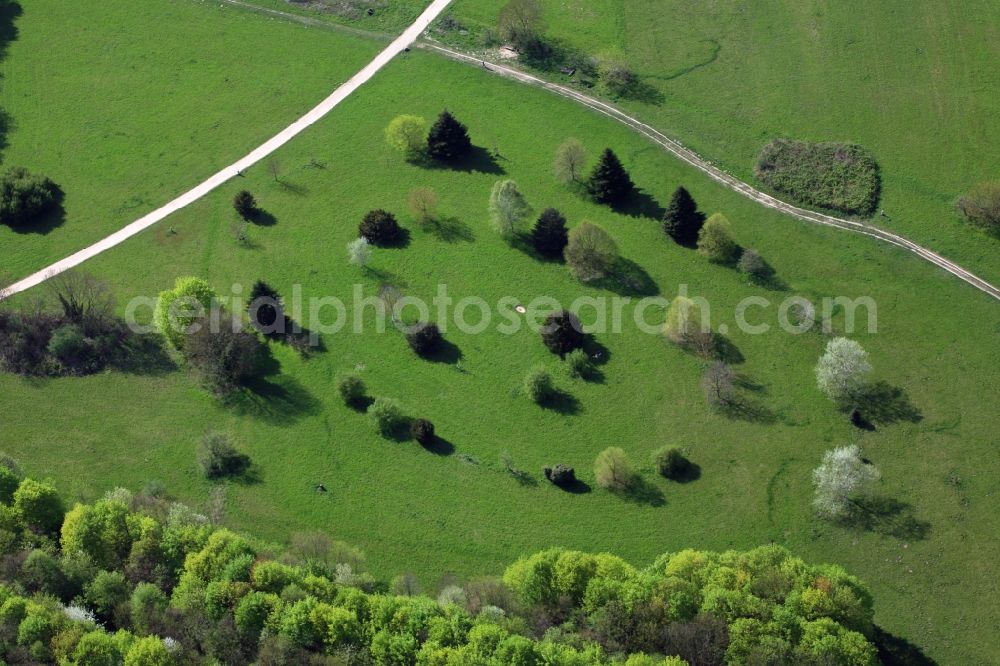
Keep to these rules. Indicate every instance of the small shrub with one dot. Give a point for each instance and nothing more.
(25, 196)
(578, 364)
(422, 431)
(244, 204)
(351, 389)
(379, 227)
(70, 347)
(754, 267)
(562, 332)
(386, 416)
(560, 475)
(178, 308)
(981, 206)
(538, 384)
(217, 456)
(670, 462)
(264, 307)
(424, 337)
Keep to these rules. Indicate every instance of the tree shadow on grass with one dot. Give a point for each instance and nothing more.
(747, 409)
(725, 350)
(144, 355)
(641, 204)
(562, 402)
(262, 218)
(273, 397)
(401, 242)
(882, 403)
(578, 487)
(479, 160)
(54, 215)
(690, 472)
(450, 230)
(896, 651)
(642, 491)
(440, 447)
(293, 188)
(628, 278)
(361, 404)
(887, 516)
(444, 352)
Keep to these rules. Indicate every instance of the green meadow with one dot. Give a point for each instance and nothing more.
(913, 82)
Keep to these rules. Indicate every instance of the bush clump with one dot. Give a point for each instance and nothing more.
(217, 456)
(613, 470)
(422, 431)
(538, 384)
(839, 176)
(379, 227)
(386, 416)
(670, 462)
(981, 206)
(578, 364)
(24, 196)
(560, 475)
(424, 338)
(351, 389)
(562, 332)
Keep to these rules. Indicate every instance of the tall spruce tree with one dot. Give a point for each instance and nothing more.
(609, 183)
(550, 235)
(448, 140)
(683, 221)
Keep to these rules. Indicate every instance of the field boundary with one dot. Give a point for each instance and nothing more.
(723, 177)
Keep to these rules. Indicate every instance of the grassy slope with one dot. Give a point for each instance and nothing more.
(412, 510)
(914, 82)
(121, 142)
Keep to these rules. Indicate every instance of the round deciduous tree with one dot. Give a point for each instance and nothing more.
(386, 415)
(538, 384)
(359, 251)
(562, 332)
(715, 241)
(178, 308)
(590, 253)
(670, 462)
(842, 371)
(842, 477)
(571, 157)
(981, 206)
(423, 204)
(613, 470)
(407, 134)
(379, 227)
(508, 208)
(550, 235)
(754, 267)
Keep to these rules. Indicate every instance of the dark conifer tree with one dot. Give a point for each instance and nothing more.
(265, 307)
(609, 183)
(448, 139)
(550, 235)
(245, 204)
(682, 220)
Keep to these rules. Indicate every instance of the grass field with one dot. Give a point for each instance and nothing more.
(128, 123)
(914, 83)
(389, 16)
(413, 510)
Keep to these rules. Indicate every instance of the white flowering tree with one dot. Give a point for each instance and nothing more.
(841, 477)
(359, 251)
(842, 371)
(508, 208)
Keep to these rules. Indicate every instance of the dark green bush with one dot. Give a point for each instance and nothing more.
(562, 332)
(379, 227)
(244, 204)
(24, 196)
(839, 176)
(217, 456)
(560, 475)
(670, 462)
(424, 338)
(422, 431)
(538, 384)
(351, 389)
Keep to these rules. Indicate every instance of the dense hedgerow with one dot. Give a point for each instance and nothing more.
(138, 580)
(838, 176)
